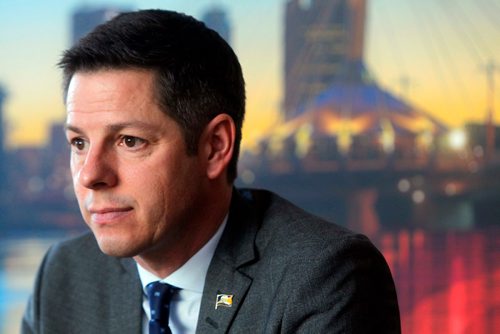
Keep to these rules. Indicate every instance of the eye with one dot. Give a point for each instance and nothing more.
(132, 142)
(78, 144)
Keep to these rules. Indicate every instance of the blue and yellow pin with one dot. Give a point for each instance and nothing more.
(224, 300)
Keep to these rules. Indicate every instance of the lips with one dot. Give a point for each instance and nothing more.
(108, 215)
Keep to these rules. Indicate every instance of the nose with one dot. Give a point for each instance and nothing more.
(97, 171)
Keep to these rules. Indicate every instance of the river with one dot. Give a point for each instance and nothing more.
(20, 256)
(447, 282)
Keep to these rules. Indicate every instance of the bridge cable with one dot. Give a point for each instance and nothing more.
(453, 69)
(488, 13)
(429, 45)
(468, 30)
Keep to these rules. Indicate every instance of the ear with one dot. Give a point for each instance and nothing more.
(217, 145)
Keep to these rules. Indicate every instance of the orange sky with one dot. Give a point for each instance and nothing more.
(444, 63)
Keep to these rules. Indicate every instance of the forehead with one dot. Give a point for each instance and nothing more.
(122, 93)
(110, 83)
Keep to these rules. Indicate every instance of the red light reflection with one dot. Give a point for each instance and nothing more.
(447, 282)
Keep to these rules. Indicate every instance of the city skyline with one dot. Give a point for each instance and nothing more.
(425, 203)
(442, 75)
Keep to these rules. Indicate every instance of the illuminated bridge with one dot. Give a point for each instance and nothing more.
(352, 151)
(366, 159)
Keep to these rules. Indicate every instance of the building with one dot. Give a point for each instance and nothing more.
(87, 18)
(39, 177)
(348, 149)
(215, 18)
(3, 165)
(324, 43)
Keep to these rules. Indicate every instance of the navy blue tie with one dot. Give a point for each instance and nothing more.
(159, 295)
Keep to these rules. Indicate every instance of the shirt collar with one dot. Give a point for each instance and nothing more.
(191, 275)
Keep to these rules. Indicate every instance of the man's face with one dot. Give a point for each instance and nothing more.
(135, 184)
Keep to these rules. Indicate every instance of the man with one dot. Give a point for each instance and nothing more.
(155, 105)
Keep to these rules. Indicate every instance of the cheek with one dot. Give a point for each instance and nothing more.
(80, 197)
(147, 187)
(157, 189)
(78, 189)
(74, 167)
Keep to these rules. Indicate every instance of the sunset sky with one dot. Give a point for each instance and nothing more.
(441, 47)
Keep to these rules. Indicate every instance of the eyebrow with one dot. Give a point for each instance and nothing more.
(116, 127)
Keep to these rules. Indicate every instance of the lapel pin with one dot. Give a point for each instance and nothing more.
(224, 300)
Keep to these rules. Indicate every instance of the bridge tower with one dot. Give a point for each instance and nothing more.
(324, 43)
(491, 68)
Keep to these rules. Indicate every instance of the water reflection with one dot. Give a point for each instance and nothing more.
(19, 259)
(447, 282)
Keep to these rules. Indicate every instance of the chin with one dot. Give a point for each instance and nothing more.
(116, 247)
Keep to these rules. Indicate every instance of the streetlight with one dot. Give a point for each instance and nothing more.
(457, 139)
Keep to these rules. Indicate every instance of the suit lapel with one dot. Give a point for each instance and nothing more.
(228, 282)
(226, 275)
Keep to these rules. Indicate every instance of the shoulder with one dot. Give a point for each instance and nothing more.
(336, 275)
(78, 258)
(80, 248)
(291, 228)
(85, 241)
(78, 280)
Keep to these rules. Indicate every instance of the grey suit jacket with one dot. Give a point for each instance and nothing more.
(289, 272)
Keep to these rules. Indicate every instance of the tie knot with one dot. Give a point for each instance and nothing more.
(159, 289)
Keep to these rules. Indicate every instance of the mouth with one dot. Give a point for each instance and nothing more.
(108, 215)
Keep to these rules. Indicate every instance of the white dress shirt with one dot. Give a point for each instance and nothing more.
(190, 278)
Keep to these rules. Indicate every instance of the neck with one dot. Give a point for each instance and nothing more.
(171, 254)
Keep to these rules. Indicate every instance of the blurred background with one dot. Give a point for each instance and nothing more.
(379, 115)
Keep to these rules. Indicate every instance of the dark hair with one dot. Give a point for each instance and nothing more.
(197, 74)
